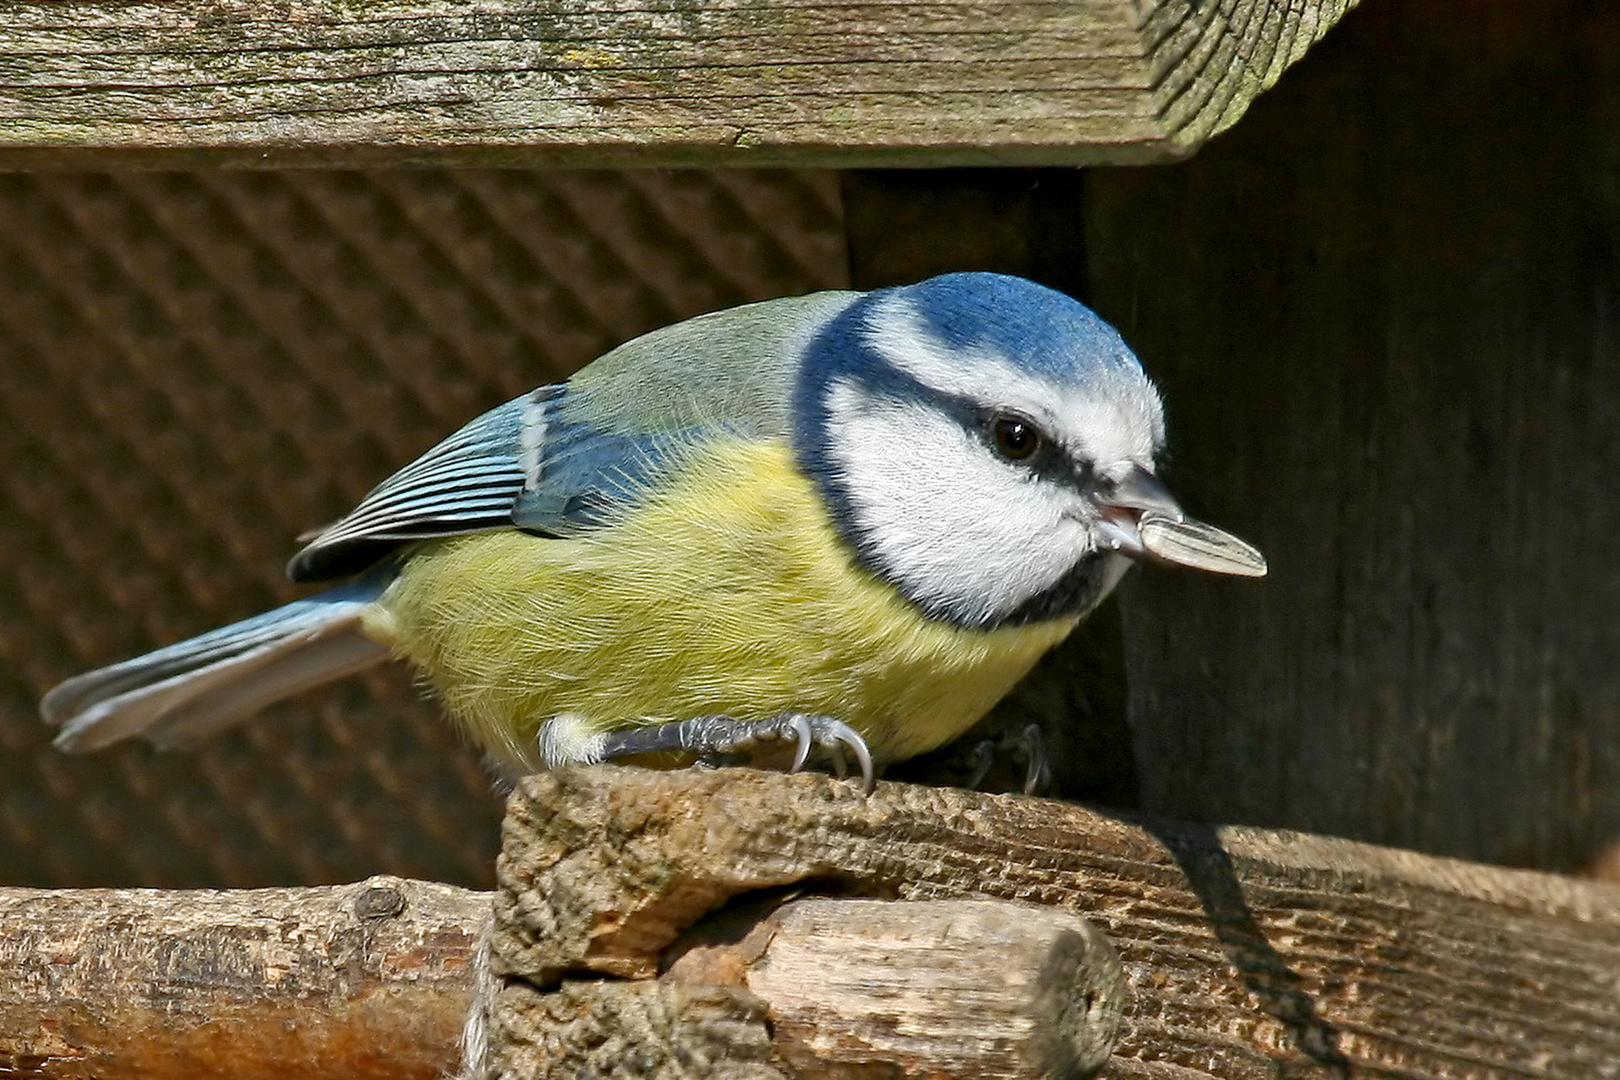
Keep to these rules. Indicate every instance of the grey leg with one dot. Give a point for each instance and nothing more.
(713, 736)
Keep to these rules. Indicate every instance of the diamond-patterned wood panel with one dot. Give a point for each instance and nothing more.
(197, 367)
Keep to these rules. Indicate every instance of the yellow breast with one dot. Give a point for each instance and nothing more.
(728, 591)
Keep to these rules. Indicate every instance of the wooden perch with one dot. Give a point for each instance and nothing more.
(1248, 953)
(742, 924)
(98, 83)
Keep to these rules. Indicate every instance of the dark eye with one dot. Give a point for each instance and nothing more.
(1015, 437)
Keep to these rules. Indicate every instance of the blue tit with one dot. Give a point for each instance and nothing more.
(841, 522)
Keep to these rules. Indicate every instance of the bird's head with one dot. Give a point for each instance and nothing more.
(988, 446)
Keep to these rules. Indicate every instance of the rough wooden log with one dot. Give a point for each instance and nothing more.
(977, 989)
(366, 980)
(818, 989)
(1249, 954)
(668, 1030)
(665, 82)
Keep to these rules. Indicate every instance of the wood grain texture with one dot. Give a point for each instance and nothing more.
(365, 980)
(651, 1027)
(635, 82)
(836, 989)
(1383, 313)
(1248, 954)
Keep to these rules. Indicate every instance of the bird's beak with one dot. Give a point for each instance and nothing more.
(1141, 519)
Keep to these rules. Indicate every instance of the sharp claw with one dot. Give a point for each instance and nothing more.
(984, 756)
(837, 737)
(1038, 774)
(862, 755)
(805, 737)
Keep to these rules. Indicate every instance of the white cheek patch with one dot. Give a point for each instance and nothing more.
(1120, 421)
(953, 526)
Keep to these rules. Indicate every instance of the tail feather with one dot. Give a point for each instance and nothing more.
(183, 693)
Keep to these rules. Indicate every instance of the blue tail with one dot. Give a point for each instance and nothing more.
(181, 694)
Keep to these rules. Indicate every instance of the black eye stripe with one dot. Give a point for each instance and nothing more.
(1048, 459)
(1041, 454)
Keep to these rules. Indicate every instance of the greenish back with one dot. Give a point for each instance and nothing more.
(732, 368)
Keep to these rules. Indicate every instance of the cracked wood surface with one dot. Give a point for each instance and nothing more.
(1248, 953)
(828, 989)
(1245, 953)
(96, 83)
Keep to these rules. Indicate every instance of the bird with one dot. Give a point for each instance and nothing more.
(837, 523)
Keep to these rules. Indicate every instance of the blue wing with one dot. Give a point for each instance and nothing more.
(525, 464)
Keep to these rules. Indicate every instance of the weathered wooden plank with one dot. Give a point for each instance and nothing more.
(1382, 311)
(662, 82)
(1249, 954)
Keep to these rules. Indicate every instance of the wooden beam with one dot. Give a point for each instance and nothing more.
(94, 83)
(1248, 954)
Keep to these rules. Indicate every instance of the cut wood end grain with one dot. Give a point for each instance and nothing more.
(825, 988)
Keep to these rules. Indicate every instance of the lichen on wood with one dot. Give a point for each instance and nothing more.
(94, 83)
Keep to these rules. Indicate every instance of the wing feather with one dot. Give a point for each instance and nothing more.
(466, 483)
(521, 465)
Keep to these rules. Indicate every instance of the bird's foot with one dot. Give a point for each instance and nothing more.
(716, 739)
(1031, 744)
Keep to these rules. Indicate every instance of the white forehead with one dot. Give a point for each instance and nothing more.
(1107, 412)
